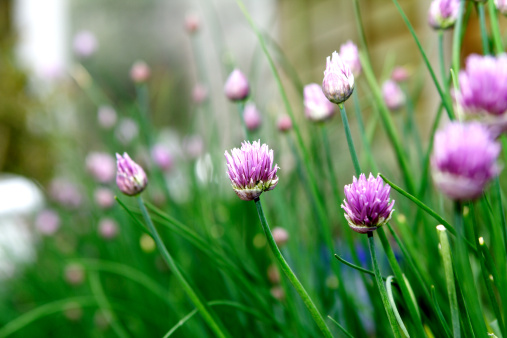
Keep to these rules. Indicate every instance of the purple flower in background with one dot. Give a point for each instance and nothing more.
(236, 87)
(251, 116)
(400, 74)
(284, 123)
(193, 146)
(250, 170)
(65, 193)
(393, 95)
(317, 106)
(162, 157)
(483, 90)
(464, 160)
(47, 222)
(130, 177)
(192, 23)
(106, 116)
(108, 228)
(338, 83)
(140, 72)
(85, 43)
(367, 203)
(101, 166)
(501, 5)
(104, 198)
(350, 56)
(443, 13)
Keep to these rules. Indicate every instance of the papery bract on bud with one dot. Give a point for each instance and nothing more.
(130, 177)
(280, 235)
(284, 123)
(236, 87)
(101, 166)
(317, 106)
(350, 56)
(501, 5)
(464, 160)
(483, 90)
(251, 116)
(108, 228)
(367, 203)
(338, 83)
(250, 170)
(140, 72)
(443, 13)
(85, 43)
(394, 97)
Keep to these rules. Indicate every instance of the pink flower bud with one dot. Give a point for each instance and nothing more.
(192, 23)
(199, 93)
(162, 157)
(140, 72)
(501, 5)
(108, 228)
(127, 130)
(130, 177)
(400, 74)
(47, 222)
(101, 166)
(106, 117)
(85, 44)
(280, 235)
(277, 292)
(317, 106)
(104, 198)
(393, 95)
(251, 116)
(236, 87)
(284, 123)
(350, 56)
(338, 83)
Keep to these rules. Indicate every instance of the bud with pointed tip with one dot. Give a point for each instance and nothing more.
(236, 87)
(443, 13)
(140, 72)
(284, 123)
(251, 116)
(317, 106)
(338, 83)
(130, 177)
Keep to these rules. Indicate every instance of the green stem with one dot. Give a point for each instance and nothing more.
(495, 28)
(382, 288)
(350, 142)
(362, 132)
(290, 275)
(484, 31)
(241, 109)
(329, 160)
(205, 312)
(456, 41)
(445, 250)
(357, 267)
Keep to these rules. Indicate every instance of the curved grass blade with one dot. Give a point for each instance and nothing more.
(393, 305)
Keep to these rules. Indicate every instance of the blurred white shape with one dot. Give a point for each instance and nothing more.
(19, 197)
(42, 29)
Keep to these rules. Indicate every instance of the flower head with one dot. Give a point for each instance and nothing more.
(85, 43)
(400, 74)
(140, 72)
(483, 90)
(100, 166)
(236, 87)
(393, 95)
(501, 5)
(251, 116)
(130, 177)
(367, 204)
(284, 123)
(250, 170)
(162, 157)
(443, 13)
(338, 83)
(317, 106)
(106, 116)
(464, 160)
(350, 56)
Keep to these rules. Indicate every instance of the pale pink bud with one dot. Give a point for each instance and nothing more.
(277, 292)
(130, 177)
(101, 166)
(273, 274)
(162, 157)
(47, 222)
(74, 274)
(284, 123)
(393, 95)
(106, 117)
(140, 72)
(501, 5)
(338, 83)
(236, 87)
(199, 93)
(350, 56)
(192, 23)
(104, 198)
(251, 116)
(85, 43)
(317, 106)
(400, 74)
(127, 130)
(280, 235)
(108, 228)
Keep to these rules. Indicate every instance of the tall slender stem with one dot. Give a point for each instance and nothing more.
(201, 305)
(288, 272)
(495, 29)
(484, 31)
(456, 41)
(350, 142)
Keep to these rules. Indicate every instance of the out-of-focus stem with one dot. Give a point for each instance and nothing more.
(495, 28)
(350, 142)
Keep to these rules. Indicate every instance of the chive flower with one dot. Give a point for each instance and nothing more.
(130, 177)
(443, 13)
(338, 83)
(483, 90)
(464, 160)
(317, 106)
(250, 170)
(367, 203)
(350, 56)
(393, 95)
(236, 87)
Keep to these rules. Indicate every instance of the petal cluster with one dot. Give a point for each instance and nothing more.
(338, 83)
(483, 89)
(130, 177)
(443, 13)
(464, 160)
(250, 170)
(317, 106)
(350, 55)
(367, 203)
(393, 95)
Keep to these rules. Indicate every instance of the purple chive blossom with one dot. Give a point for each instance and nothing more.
(130, 177)
(443, 13)
(101, 166)
(236, 87)
(483, 90)
(317, 106)
(464, 160)
(393, 95)
(250, 170)
(350, 55)
(338, 83)
(501, 5)
(367, 204)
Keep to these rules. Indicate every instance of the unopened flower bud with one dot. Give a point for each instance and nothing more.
(47, 222)
(192, 23)
(281, 236)
(106, 117)
(162, 157)
(317, 106)
(108, 228)
(74, 274)
(284, 123)
(501, 5)
(273, 274)
(236, 87)
(199, 93)
(130, 177)
(400, 74)
(393, 95)
(350, 56)
(443, 13)
(85, 43)
(251, 117)
(101, 166)
(338, 83)
(140, 72)
(104, 198)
